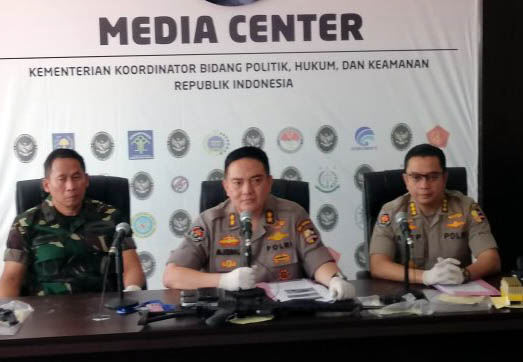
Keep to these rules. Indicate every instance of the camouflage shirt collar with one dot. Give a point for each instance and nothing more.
(51, 214)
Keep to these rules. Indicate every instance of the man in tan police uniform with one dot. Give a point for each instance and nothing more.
(285, 243)
(446, 227)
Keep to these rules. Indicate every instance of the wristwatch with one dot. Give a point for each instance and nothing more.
(466, 275)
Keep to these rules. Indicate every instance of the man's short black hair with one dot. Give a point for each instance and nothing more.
(248, 152)
(62, 153)
(426, 150)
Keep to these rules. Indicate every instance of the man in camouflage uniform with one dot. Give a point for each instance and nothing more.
(285, 243)
(446, 226)
(61, 246)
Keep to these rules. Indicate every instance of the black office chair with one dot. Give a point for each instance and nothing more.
(384, 186)
(109, 189)
(212, 193)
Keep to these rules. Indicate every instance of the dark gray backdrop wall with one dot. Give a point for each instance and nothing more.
(502, 126)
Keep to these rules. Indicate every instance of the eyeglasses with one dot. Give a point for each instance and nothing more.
(430, 177)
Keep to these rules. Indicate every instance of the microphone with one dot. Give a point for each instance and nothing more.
(246, 224)
(401, 220)
(122, 230)
(246, 231)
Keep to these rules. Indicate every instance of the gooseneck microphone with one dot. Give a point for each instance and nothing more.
(122, 230)
(246, 231)
(401, 219)
(403, 223)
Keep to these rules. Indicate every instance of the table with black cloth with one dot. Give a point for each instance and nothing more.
(61, 328)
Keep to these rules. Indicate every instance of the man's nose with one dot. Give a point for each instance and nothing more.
(247, 187)
(70, 184)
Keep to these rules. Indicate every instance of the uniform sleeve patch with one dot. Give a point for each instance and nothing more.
(476, 213)
(384, 219)
(197, 234)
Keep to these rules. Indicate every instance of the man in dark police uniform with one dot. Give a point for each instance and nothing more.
(61, 246)
(285, 243)
(447, 227)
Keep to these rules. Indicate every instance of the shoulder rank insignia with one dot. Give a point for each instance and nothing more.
(232, 219)
(269, 217)
(412, 208)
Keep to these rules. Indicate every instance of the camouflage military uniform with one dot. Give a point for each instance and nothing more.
(458, 229)
(63, 254)
(286, 245)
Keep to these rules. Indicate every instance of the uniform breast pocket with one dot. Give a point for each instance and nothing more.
(99, 235)
(454, 244)
(49, 255)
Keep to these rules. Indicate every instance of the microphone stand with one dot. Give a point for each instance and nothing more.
(406, 282)
(121, 301)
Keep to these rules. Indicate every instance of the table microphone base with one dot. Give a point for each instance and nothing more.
(121, 303)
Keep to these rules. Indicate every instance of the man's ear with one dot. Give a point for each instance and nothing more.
(45, 184)
(88, 179)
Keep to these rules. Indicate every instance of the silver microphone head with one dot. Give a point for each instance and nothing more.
(123, 226)
(245, 216)
(401, 217)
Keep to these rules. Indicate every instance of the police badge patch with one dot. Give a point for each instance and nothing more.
(178, 143)
(142, 185)
(197, 234)
(102, 146)
(25, 148)
(384, 219)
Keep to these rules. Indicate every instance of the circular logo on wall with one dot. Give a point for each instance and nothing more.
(291, 173)
(326, 139)
(364, 136)
(148, 263)
(25, 148)
(327, 181)
(360, 256)
(253, 137)
(359, 217)
(215, 175)
(358, 175)
(180, 222)
(102, 145)
(327, 217)
(401, 136)
(290, 140)
(142, 185)
(143, 225)
(216, 143)
(180, 184)
(178, 143)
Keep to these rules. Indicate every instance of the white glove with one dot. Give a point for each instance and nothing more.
(240, 278)
(340, 289)
(132, 288)
(446, 271)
